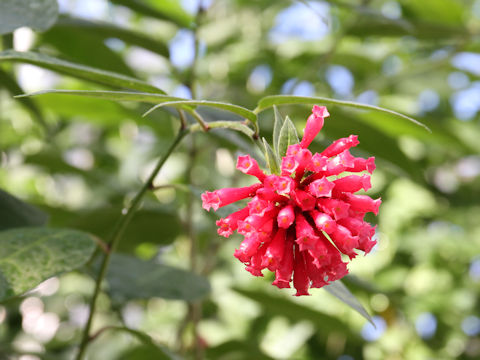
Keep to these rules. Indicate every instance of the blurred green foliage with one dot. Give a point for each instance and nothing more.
(81, 159)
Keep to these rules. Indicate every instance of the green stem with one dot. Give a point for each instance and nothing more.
(117, 235)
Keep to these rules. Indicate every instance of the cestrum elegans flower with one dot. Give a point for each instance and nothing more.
(298, 223)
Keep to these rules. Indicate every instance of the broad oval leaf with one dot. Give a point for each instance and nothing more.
(79, 71)
(15, 213)
(236, 109)
(36, 14)
(29, 256)
(131, 278)
(341, 292)
(269, 101)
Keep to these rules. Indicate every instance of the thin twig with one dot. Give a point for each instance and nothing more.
(117, 235)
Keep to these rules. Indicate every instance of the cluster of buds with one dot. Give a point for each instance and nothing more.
(298, 223)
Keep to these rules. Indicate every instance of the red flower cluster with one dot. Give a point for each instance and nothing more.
(298, 223)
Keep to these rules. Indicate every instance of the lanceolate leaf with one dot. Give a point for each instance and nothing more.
(272, 161)
(16, 213)
(29, 256)
(277, 125)
(79, 71)
(36, 14)
(288, 136)
(131, 278)
(111, 95)
(239, 110)
(269, 101)
(340, 291)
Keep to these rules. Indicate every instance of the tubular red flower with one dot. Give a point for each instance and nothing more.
(321, 188)
(290, 215)
(363, 203)
(226, 196)
(360, 164)
(352, 183)
(227, 226)
(249, 166)
(285, 217)
(300, 279)
(341, 145)
(314, 125)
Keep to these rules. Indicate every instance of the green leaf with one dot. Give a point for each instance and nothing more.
(269, 101)
(288, 136)
(236, 109)
(169, 10)
(104, 30)
(131, 278)
(13, 88)
(77, 45)
(340, 291)
(147, 352)
(29, 256)
(154, 226)
(232, 125)
(78, 71)
(36, 14)
(280, 306)
(15, 213)
(111, 95)
(272, 161)
(148, 347)
(277, 125)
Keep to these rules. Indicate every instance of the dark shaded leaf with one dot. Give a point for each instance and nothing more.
(276, 305)
(15, 213)
(152, 226)
(131, 278)
(106, 30)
